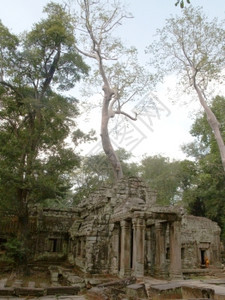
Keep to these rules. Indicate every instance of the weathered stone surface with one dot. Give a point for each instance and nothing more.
(26, 291)
(119, 283)
(166, 290)
(31, 284)
(165, 287)
(120, 230)
(3, 282)
(97, 294)
(63, 290)
(7, 291)
(197, 292)
(17, 283)
(135, 291)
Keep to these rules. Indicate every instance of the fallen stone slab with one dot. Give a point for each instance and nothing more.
(71, 298)
(26, 291)
(219, 292)
(166, 286)
(17, 283)
(121, 283)
(97, 294)
(136, 291)
(3, 282)
(7, 291)
(12, 298)
(62, 290)
(197, 292)
(166, 290)
(31, 284)
(214, 281)
(219, 297)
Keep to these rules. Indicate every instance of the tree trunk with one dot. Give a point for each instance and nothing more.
(214, 124)
(106, 143)
(23, 232)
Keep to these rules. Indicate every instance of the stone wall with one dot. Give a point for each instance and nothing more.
(120, 230)
(104, 239)
(200, 239)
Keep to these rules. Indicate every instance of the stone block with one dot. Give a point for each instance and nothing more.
(31, 284)
(62, 290)
(96, 294)
(17, 283)
(219, 297)
(7, 291)
(3, 282)
(172, 289)
(136, 291)
(197, 292)
(26, 291)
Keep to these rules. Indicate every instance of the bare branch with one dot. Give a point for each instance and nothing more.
(86, 53)
(120, 112)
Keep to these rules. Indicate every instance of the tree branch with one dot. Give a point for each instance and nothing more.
(12, 88)
(120, 112)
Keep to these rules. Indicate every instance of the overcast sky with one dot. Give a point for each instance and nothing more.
(164, 131)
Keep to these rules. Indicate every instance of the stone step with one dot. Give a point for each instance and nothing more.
(3, 282)
(17, 283)
(31, 284)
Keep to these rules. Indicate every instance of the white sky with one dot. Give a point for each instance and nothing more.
(167, 130)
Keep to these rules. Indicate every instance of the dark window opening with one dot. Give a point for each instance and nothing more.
(182, 253)
(79, 248)
(202, 257)
(167, 253)
(53, 245)
(2, 244)
(131, 248)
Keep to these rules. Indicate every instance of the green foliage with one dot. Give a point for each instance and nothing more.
(181, 2)
(97, 171)
(190, 45)
(15, 251)
(205, 194)
(163, 176)
(35, 160)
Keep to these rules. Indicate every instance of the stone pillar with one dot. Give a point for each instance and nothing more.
(148, 250)
(160, 251)
(175, 250)
(125, 248)
(138, 247)
(115, 249)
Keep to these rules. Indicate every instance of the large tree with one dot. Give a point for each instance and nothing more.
(193, 47)
(205, 194)
(96, 171)
(35, 119)
(162, 175)
(116, 70)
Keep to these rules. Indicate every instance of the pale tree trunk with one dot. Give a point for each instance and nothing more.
(97, 52)
(106, 143)
(214, 124)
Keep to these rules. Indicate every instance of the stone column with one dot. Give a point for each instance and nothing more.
(125, 248)
(138, 246)
(160, 251)
(175, 250)
(148, 250)
(115, 249)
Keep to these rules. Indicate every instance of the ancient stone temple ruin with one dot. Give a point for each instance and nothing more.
(121, 231)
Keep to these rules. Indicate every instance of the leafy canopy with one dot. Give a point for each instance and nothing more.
(35, 119)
